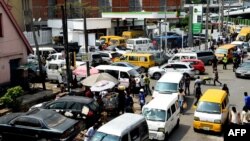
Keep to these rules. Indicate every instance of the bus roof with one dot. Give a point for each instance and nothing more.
(213, 95)
(228, 46)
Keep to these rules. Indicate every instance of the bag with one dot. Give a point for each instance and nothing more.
(184, 105)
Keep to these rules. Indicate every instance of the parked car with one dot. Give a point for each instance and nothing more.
(38, 124)
(118, 49)
(198, 65)
(126, 64)
(184, 67)
(243, 70)
(95, 59)
(159, 56)
(109, 56)
(76, 107)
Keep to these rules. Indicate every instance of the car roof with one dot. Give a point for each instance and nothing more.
(237, 42)
(182, 63)
(39, 113)
(185, 53)
(140, 38)
(57, 62)
(109, 67)
(79, 99)
(171, 77)
(137, 54)
(192, 60)
(162, 102)
(227, 46)
(44, 48)
(121, 124)
(213, 95)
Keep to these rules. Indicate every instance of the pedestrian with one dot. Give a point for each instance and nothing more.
(197, 81)
(224, 61)
(175, 51)
(132, 84)
(90, 132)
(181, 95)
(142, 99)
(142, 83)
(129, 104)
(198, 93)
(216, 77)
(212, 48)
(147, 84)
(225, 88)
(247, 100)
(245, 116)
(187, 84)
(235, 61)
(234, 116)
(214, 63)
(121, 99)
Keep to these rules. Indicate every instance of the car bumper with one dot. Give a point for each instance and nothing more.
(52, 77)
(207, 126)
(156, 135)
(245, 75)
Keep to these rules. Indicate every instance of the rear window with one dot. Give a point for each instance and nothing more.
(53, 66)
(53, 119)
(96, 56)
(115, 55)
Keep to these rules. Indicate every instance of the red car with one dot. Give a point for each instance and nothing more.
(198, 65)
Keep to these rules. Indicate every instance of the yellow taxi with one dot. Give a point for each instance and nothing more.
(225, 49)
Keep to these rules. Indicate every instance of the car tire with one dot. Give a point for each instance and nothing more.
(157, 76)
(197, 72)
(195, 130)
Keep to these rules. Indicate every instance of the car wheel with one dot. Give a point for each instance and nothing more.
(157, 76)
(195, 130)
(209, 62)
(197, 72)
(143, 69)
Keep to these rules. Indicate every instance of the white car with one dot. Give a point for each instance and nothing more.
(184, 67)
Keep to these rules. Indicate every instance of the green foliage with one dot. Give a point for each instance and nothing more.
(10, 97)
(196, 1)
(184, 21)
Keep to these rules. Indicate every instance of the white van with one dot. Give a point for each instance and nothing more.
(168, 84)
(139, 44)
(162, 115)
(45, 51)
(120, 73)
(53, 69)
(126, 127)
(180, 56)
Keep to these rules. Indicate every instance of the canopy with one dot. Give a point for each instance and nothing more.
(92, 79)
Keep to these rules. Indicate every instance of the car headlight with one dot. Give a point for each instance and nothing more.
(196, 118)
(217, 121)
(161, 130)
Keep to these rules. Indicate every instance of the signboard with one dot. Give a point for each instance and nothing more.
(197, 28)
(197, 14)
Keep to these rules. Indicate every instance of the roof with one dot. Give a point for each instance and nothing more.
(191, 60)
(237, 42)
(79, 99)
(183, 63)
(161, 102)
(121, 124)
(227, 46)
(109, 67)
(13, 21)
(213, 95)
(137, 54)
(171, 77)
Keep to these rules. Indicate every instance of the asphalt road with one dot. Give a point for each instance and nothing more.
(236, 86)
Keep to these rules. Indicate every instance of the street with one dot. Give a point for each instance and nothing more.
(237, 86)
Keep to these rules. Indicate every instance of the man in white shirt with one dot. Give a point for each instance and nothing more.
(90, 133)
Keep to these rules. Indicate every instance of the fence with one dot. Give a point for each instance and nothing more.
(43, 37)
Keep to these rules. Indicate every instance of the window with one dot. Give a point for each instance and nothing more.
(168, 114)
(173, 108)
(139, 42)
(74, 106)
(179, 66)
(176, 58)
(125, 137)
(24, 121)
(57, 105)
(134, 134)
(169, 66)
(124, 75)
(133, 58)
(143, 59)
(193, 57)
(113, 73)
(1, 26)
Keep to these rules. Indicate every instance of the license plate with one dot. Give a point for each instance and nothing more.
(206, 128)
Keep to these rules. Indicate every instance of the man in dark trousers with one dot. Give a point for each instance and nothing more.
(216, 77)
(214, 63)
(198, 93)
(224, 61)
(187, 84)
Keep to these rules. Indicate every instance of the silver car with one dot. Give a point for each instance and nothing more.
(184, 67)
(243, 70)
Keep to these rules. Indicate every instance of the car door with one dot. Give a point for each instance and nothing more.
(174, 117)
(169, 67)
(135, 134)
(168, 125)
(180, 67)
(124, 79)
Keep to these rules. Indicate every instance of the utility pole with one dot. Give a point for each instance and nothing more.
(229, 6)
(190, 33)
(66, 47)
(207, 9)
(222, 14)
(41, 73)
(86, 40)
(166, 34)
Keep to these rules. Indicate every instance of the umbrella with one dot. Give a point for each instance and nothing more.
(92, 79)
(102, 85)
(82, 71)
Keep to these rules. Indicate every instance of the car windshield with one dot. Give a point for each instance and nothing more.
(245, 65)
(130, 65)
(134, 73)
(115, 55)
(209, 107)
(53, 119)
(221, 51)
(154, 114)
(166, 87)
(99, 136)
